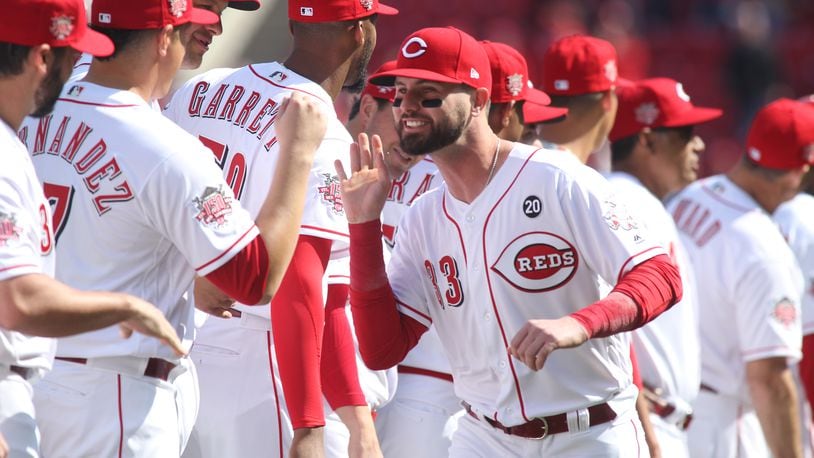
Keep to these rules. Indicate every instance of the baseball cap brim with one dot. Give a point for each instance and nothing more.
(535, 112)
(94, 43)
(537, 96)
(697, 115)
(245, 5)
(202, 16)
(389, 78)
(387, 10)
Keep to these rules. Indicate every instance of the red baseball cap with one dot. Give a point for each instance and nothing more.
(442, 54)
(782, 135)
(335, 10)
(579, 64)
(510, 72)
(656, 102)
(381, 92)
(248, 5)
(58, 23)
(147, 14)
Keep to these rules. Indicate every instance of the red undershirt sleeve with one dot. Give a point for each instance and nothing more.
(338, 372)
(385, 335)
(634, 362)
(807, 369)
(298, 321)
(243, 278)
(641, 295)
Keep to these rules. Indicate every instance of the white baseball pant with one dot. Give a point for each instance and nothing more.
(17, 423)
(723, 427)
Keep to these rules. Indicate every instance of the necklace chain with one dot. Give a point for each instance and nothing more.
(494, 162)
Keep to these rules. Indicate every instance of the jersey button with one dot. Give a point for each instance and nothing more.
(470, 218)
(502, 364)
(487, 316)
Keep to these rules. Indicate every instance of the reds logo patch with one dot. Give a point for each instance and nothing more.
(537, 261)
(617, 217)
(647, 113)
(329, 193)
(214, 207)
(514, 84)
(9, 230)
(785, 312)
(61, 27)
(178, 7)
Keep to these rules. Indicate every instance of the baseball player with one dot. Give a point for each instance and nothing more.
(342, 35)
(750, 305)
(38, 45)
(512, 91)
(655, 154)
(580, 73)
(140, 207)
(499, 268)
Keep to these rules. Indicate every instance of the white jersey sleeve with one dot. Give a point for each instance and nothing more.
(797, 225)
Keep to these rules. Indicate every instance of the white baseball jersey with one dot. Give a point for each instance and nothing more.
(667, 348)
(233, 112)
(26, 244)
(537, 243)
(139, 207)
(796, 220)
(748, 281)
(422, 177)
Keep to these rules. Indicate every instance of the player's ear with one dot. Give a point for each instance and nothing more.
(164, 40)
(367, 107)
(480, 101)
(646, 139)
(359, 32)
(39, 57)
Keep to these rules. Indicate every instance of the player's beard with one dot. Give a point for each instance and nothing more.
(442, 134)
(355, 81)
(49, 90)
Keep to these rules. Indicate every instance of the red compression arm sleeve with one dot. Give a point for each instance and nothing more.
(385, 335)
(340, 380)
(298, 320)
(642, 294)
(807, 369)
(634, 363)
(243, 278)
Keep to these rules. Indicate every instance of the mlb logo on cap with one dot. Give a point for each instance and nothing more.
(306, 11)
(442, 54)
(104, 18)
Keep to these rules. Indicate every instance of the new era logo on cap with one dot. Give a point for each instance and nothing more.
(474, 74)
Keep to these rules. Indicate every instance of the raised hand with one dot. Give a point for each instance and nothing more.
(150, 321)
(538, 338)
(365, 191)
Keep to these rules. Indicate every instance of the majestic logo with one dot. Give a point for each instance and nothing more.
(178, 7)
(214, 207)
(682, 94)
(9, 230)
(409, 51)
(785, 312)
(514, 84)
(754, 154)
(647, 113)
(611, 72)
(61, 27)
(329, 192)
(617, 217)
(366, 4)
(537, 261)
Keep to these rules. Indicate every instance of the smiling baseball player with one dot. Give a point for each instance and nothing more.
(136, 209)
(750, 289)
(232, 111)
(502, 269)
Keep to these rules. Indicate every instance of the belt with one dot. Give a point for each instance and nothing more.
(425, 372)
(538, 428)
(705, 387)
(156, 367)
(664, 408)
(24, 372)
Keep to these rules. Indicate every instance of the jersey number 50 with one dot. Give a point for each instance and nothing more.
(235, 172)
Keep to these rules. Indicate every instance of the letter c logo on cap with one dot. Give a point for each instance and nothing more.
(422, 47)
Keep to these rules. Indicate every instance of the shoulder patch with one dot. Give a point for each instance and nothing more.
(213, 207)
(329, 193)
(9, 230)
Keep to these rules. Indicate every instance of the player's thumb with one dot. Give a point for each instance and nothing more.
(125, 331)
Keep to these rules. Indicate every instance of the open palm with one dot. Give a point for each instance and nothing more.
(365, 191)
